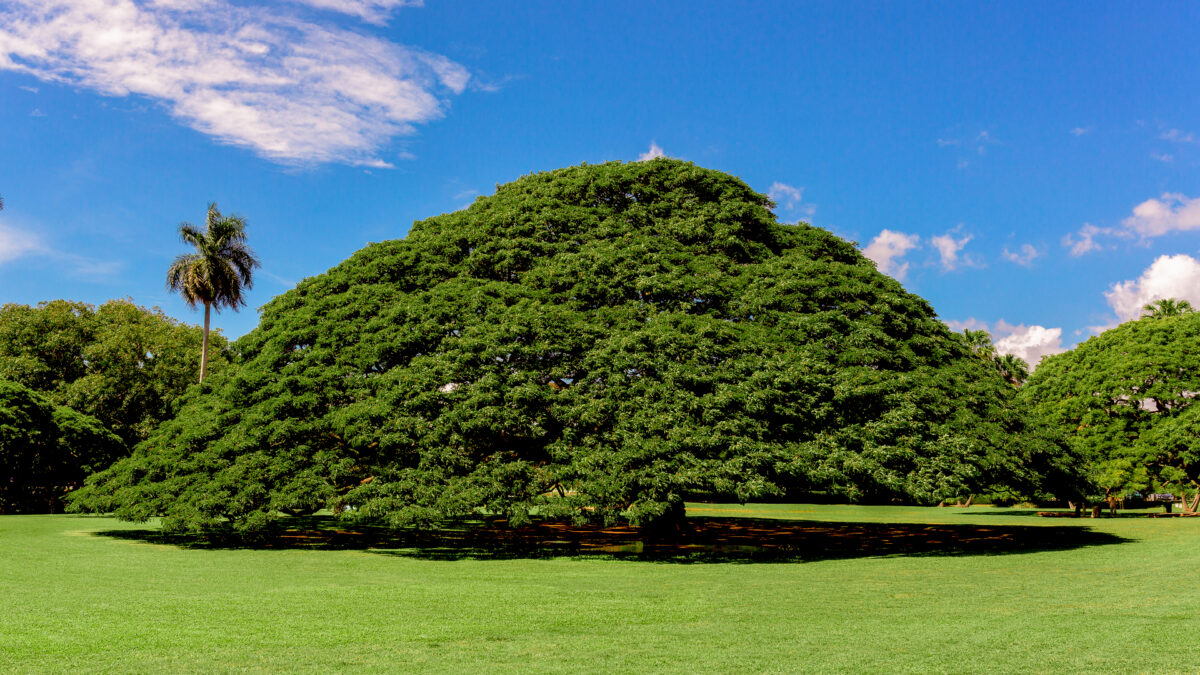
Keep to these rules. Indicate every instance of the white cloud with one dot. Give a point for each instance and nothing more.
(653, 153)
(1155, 217)
(948, 249)
(1177, 136)
(1030, 343)
(36, 112)
(785, 195)
(1084, 241)
(293, 91)
(1169, 276)
(1162, 157)
(1023, 256)
(887, 248)
(16, 243)
(1079, 131)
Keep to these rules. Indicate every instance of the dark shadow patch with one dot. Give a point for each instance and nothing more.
(1062, 513)
(750, 540)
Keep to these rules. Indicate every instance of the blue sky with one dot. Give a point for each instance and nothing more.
(1030, 168)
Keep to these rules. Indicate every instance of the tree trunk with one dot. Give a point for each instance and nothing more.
(1196, 502)
(970, 498)
(204, 347)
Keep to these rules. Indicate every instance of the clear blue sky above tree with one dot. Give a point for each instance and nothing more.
(1004, 148)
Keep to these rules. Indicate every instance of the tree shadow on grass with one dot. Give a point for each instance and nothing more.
(1067, 513)
(704, 540)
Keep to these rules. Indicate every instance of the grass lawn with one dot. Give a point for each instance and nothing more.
(833, 589)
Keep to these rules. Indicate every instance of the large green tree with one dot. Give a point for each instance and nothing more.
(123, 364)
(1124, 400)
(218, 273)
(598, 342)
(46, 450)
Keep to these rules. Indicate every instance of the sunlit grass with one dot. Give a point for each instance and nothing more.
(73, 600)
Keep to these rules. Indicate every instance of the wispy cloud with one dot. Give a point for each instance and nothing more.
(291, 90)
(1162, 157)
(32, 90)
(371, 11)
(1177, 136)
(785, 195)
(972, 145)
(888, 249)
(16, 243)
(653, 153)
(36, 112)
(1080, 131)
(950, 249)
(1023, 256)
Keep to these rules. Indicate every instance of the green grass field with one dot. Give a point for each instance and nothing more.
(833, 589)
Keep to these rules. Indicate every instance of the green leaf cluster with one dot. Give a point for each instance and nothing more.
(598, 342)
(1124, 401)
(122, 364)
(46, 450)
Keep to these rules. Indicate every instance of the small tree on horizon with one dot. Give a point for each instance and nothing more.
(1166, 307)
(218, 272)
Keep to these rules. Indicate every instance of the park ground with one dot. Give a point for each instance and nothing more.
(758, 588)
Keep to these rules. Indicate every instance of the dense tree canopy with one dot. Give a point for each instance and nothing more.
(122, 364)
(600, 342)
(46, 450)
(1124, 401)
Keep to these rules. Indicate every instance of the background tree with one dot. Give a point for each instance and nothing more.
(1013, 369)
(46, 450)
(1167, 307)
(1107, 394)
(980, 342)
(599, 342)
(123, 364)
(218, 273)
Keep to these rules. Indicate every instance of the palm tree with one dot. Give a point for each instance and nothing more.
(1167, 307)
(217, 273)
(980, 343)
(1013, 368)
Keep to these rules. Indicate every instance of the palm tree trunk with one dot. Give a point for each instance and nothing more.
(204, 347)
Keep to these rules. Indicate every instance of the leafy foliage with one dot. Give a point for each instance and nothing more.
(1112, 393)
(598, 342)
(46, 450)
(122, 364)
